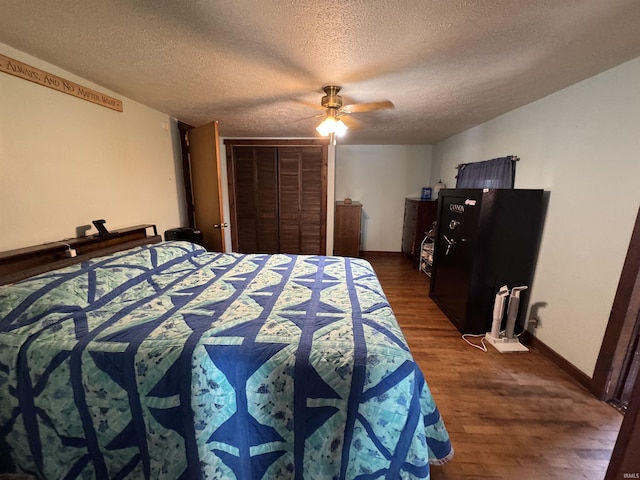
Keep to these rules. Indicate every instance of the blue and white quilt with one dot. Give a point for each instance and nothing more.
(170, 362)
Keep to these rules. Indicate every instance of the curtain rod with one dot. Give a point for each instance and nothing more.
(515, 158)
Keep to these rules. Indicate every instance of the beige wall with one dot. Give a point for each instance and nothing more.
(380, 177)
(65, 161)
(583, 145)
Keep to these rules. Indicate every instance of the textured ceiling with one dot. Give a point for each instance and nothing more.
(258, 67)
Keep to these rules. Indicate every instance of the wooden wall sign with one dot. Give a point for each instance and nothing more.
(22, 70)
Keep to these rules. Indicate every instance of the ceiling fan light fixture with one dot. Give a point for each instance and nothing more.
(331, 125)
(326, 126)
(341, 128)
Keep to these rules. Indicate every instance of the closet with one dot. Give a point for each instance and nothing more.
(277, 195)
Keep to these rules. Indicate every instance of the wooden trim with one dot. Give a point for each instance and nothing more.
(184, 128)
(231, 185)
(547, 352)
(624, 458)
(275, 143)
(619, 330)
(364, 253)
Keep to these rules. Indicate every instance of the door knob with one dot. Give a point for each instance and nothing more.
(224, 225)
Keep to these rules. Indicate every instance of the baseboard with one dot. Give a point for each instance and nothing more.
(547, 352)
(365, 253)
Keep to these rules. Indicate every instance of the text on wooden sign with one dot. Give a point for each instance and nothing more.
(22, 70)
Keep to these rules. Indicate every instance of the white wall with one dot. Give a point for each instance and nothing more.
(65, 161)
(583, 145)
(380, 177)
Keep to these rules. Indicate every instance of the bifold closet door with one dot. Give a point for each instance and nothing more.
(256, 199)
(302, 200)
(277, 196)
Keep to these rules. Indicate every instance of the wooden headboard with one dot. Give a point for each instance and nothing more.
(25, 262)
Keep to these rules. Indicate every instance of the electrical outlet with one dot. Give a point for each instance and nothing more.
(534, 318)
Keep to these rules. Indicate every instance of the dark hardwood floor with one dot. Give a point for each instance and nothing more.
(510, 416)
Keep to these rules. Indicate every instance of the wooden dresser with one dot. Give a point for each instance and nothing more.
(419, 216)
(346, 237)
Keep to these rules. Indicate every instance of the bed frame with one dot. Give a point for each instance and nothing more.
(22, 263)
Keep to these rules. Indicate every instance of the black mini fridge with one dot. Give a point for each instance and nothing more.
(485, 238)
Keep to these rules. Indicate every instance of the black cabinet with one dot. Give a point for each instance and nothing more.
(485, 239)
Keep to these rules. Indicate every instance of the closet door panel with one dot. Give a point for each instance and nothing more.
(290, 196)
(246, 218)
(312, 201)
(302, 175)
(267, 195)
(256, 199)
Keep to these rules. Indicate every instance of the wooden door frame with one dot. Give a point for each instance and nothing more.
(625, 459)
(183, 128)
(608, 370)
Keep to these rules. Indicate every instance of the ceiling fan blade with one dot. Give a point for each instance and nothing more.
(350, 122)
(315, 106)
(367, 107)
(304, 119)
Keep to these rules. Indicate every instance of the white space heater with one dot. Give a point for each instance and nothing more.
(506, 342)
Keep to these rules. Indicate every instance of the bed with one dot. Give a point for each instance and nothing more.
(167, 361)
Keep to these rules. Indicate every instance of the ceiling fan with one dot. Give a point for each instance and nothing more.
(337, 116)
